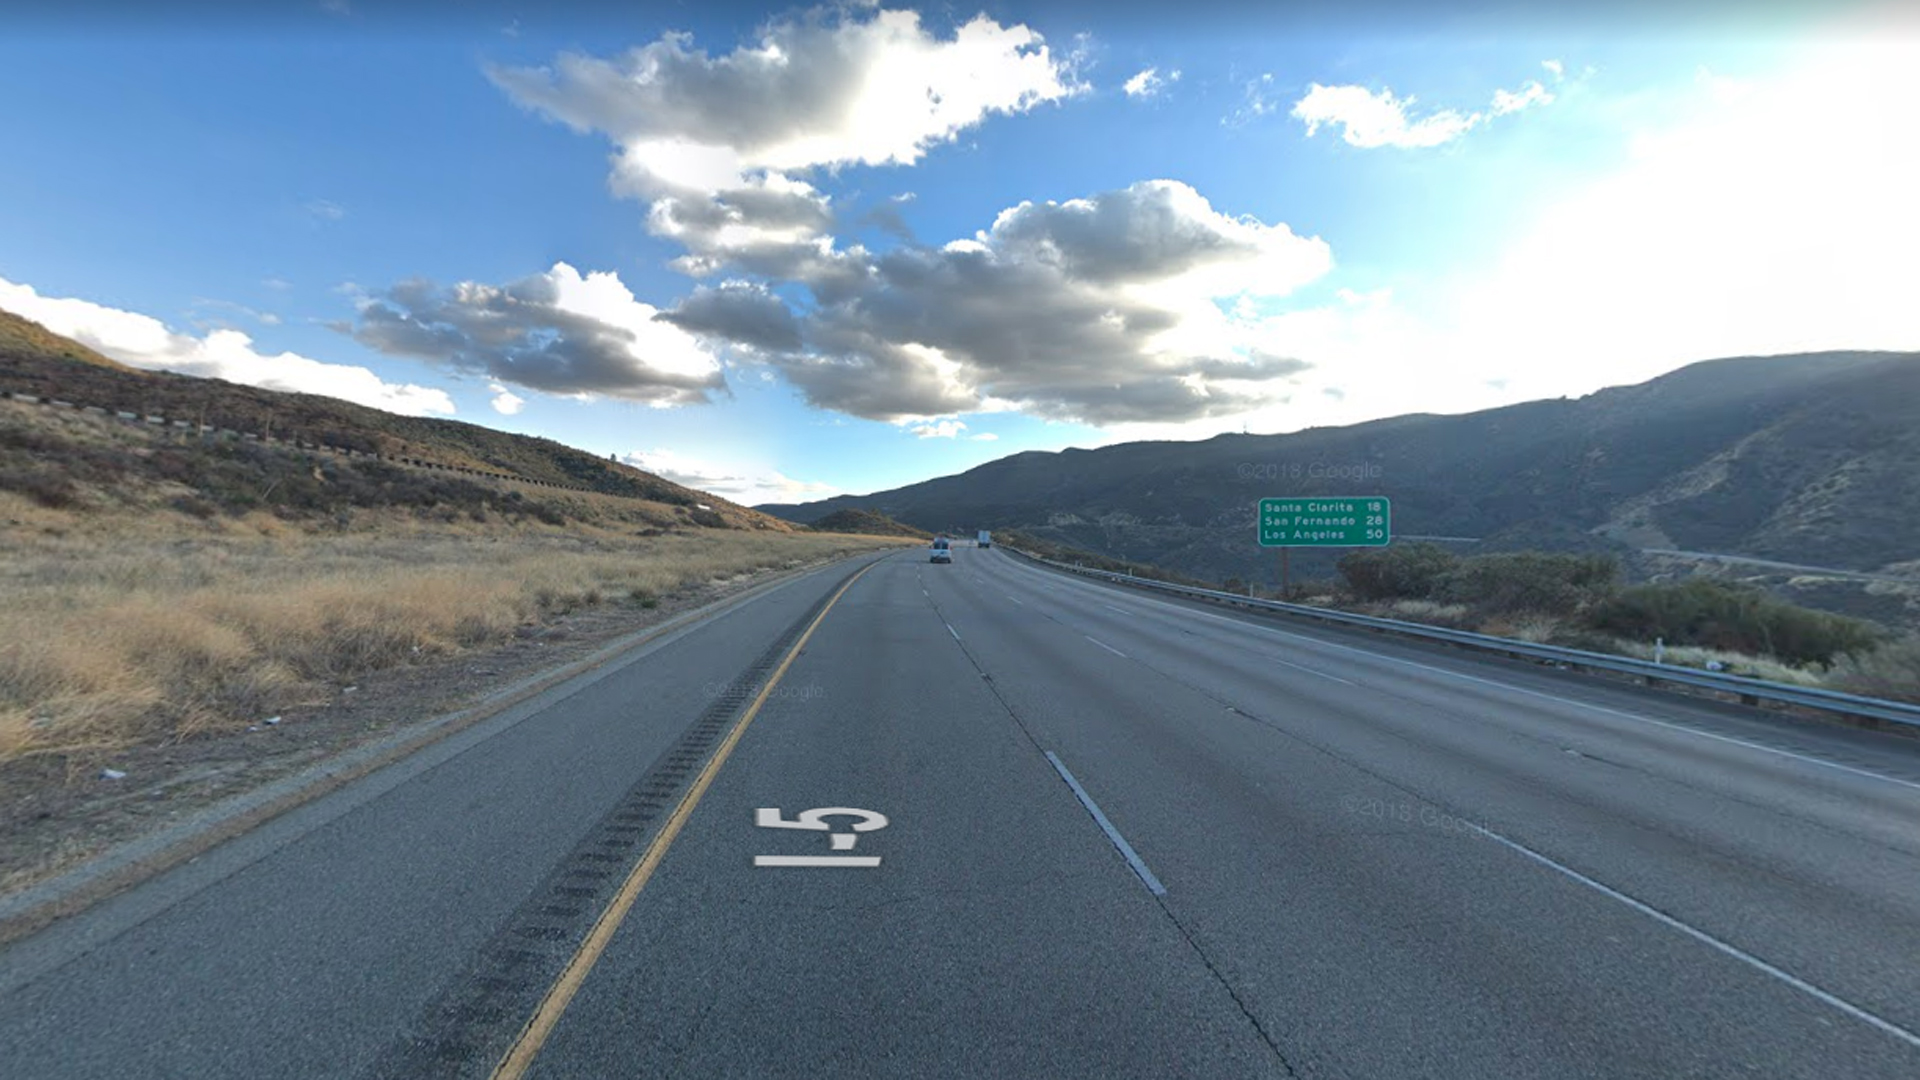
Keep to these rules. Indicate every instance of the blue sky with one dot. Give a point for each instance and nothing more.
(784, 253)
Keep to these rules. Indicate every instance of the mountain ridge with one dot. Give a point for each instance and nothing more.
(1807, 457)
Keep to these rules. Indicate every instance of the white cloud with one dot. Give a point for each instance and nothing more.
(1720, 236)
(1255, 103)
(145, 342)
(277, 284)
(1372, 119)
(1149, 82)
(713, 142)
(748, 485)
(1777, 217)
(1512, 101)
(559, 331)
(937, 429)
(1156, 238)
(505, 402)
(741, 312)
(1105, 310)
(207, 314)
(1555, 68)
(1094, 308)
(1369, 119)
(325, 210)
(1077, 60)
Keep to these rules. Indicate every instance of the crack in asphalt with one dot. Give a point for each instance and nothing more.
(1186, 933)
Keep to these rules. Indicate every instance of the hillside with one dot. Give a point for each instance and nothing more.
(37, 362)
(866, 522)
(1811, 458)
(28, 340)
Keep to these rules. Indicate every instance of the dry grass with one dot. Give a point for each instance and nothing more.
(1890, 671)
(107, 640)
(1733, 663)
(1425, 611)
(1536, 628)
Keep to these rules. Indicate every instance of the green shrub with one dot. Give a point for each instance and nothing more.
(1891, 671)
(46, 486)
(1398, 572)
(1583, 638)
(1734, 618)
(1529, 581)
(196, 506)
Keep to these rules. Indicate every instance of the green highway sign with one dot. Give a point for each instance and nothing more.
(1363, 521)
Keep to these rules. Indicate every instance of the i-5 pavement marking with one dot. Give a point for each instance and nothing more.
(519, 1057)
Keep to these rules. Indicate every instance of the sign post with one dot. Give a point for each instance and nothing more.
(1332, 521)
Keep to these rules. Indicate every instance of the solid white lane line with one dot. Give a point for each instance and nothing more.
(1015, 599)
(1110, 607)
(1535, 693)
(1668, 724)
(1869, 773)
(1133, 859)
(1106, 646)
(951, 630)
(1707, 939)
(816, 860)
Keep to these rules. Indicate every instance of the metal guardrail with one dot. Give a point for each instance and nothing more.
(1750, 691)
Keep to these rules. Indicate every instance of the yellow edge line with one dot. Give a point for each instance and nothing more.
(519, 1057)
(80, 897)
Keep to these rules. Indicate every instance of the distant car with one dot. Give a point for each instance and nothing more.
(941, 555)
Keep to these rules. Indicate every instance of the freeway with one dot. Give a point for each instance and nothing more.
(1775, 564)
(1094, 833)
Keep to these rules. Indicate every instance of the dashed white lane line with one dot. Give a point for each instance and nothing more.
(1707, 939)
(1274, 660)
(1126, 850)
(1310, 671)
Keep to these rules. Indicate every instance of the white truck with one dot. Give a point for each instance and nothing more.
(986, 538)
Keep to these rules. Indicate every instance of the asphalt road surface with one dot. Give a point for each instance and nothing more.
(1098, 834)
